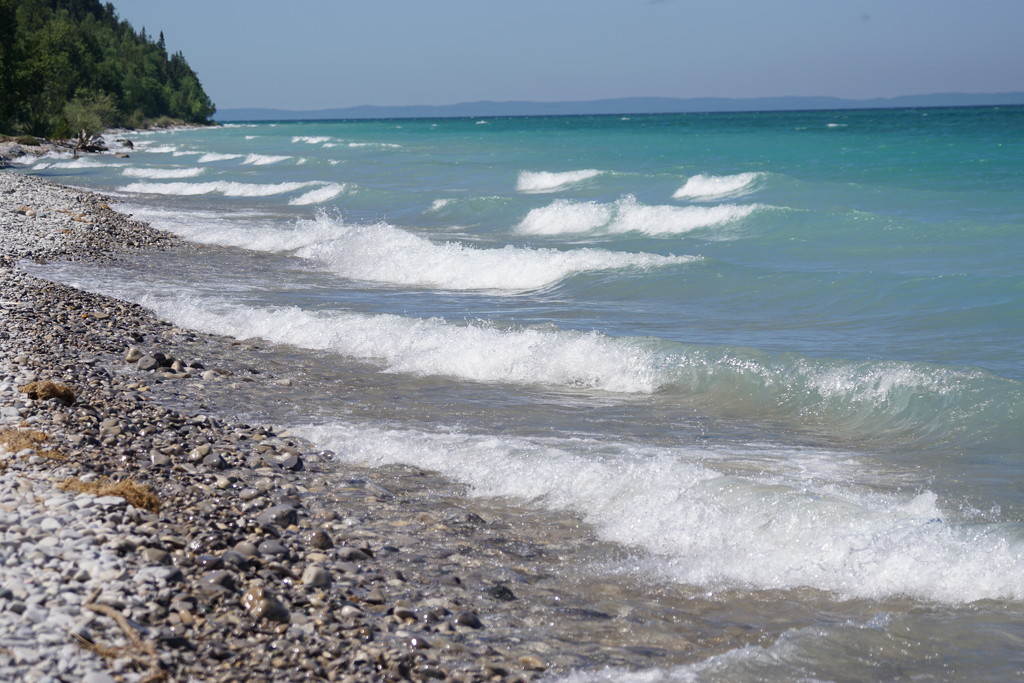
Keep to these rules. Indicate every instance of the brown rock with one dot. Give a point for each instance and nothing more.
(45, 390)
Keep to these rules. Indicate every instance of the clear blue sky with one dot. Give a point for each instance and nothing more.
(316, 54)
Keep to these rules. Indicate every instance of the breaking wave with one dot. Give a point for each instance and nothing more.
(543, 181)
(161, 173)
(709, 187)
(628, 215)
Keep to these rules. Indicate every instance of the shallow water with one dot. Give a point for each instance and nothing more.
(775, 358)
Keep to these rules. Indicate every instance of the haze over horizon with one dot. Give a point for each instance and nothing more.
(316, 54)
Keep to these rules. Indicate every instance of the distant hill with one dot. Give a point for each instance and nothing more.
(73, 65)
(626, 105)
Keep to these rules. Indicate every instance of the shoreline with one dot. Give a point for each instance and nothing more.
(255, 564)
(269, 559)
(11, 150)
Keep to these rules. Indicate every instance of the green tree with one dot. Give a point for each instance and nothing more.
(9, 59)
(66, 65)
(91, 112)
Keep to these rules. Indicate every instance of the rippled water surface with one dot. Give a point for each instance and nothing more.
(774, 358)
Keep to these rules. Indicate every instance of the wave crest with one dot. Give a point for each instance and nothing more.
(628, 215)
(264, 159)
(161, 173)
(710, 528)
(710, 187)
(217, 156)
(319, 195)
(224, 187)
(544, 181)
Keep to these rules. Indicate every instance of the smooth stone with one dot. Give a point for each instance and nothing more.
(316, 576)
(350, 611)
(292, 463)
(317, 538)
(219, 577)
(532, 663)
(209, 561)
(499, 592)
(272, 547)
(234, 558)
(156, 556)
(468, 619)
(262, 605)
(406, 613)
(249, 494)
(215, 462)
(278, 515)
(347, 554)
(247, 548)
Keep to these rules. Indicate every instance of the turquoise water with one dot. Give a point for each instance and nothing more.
(765, 351)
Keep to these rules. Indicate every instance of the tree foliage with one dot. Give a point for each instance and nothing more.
(69, 65)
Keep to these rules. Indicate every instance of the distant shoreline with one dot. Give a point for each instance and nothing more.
(633, 106)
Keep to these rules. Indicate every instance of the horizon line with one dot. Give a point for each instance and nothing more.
(666, 105)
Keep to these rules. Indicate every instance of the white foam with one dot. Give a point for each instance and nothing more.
(311, 139)
(704, 523)
(42, 161)
(715, 379)
(81, 162)
(476, 352)
(632, 216)
(381, 145)
(717, 530)
(439, 204)
(224, 187)
(628, 215)
(161, 173)
(565, 217)
(383, 253)
(217, 156)
(894, 400)
(187, 153)
(156, 149)
(208, 227)
(319, 195)
(785, 659)
(386, 254)
(264, 159)
(543, 181)
(710, 187)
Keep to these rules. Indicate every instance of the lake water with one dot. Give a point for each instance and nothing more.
(776, 357)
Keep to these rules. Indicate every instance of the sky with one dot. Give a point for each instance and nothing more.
(319, 54)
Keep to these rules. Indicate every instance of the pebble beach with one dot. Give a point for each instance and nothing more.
(145, 537)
